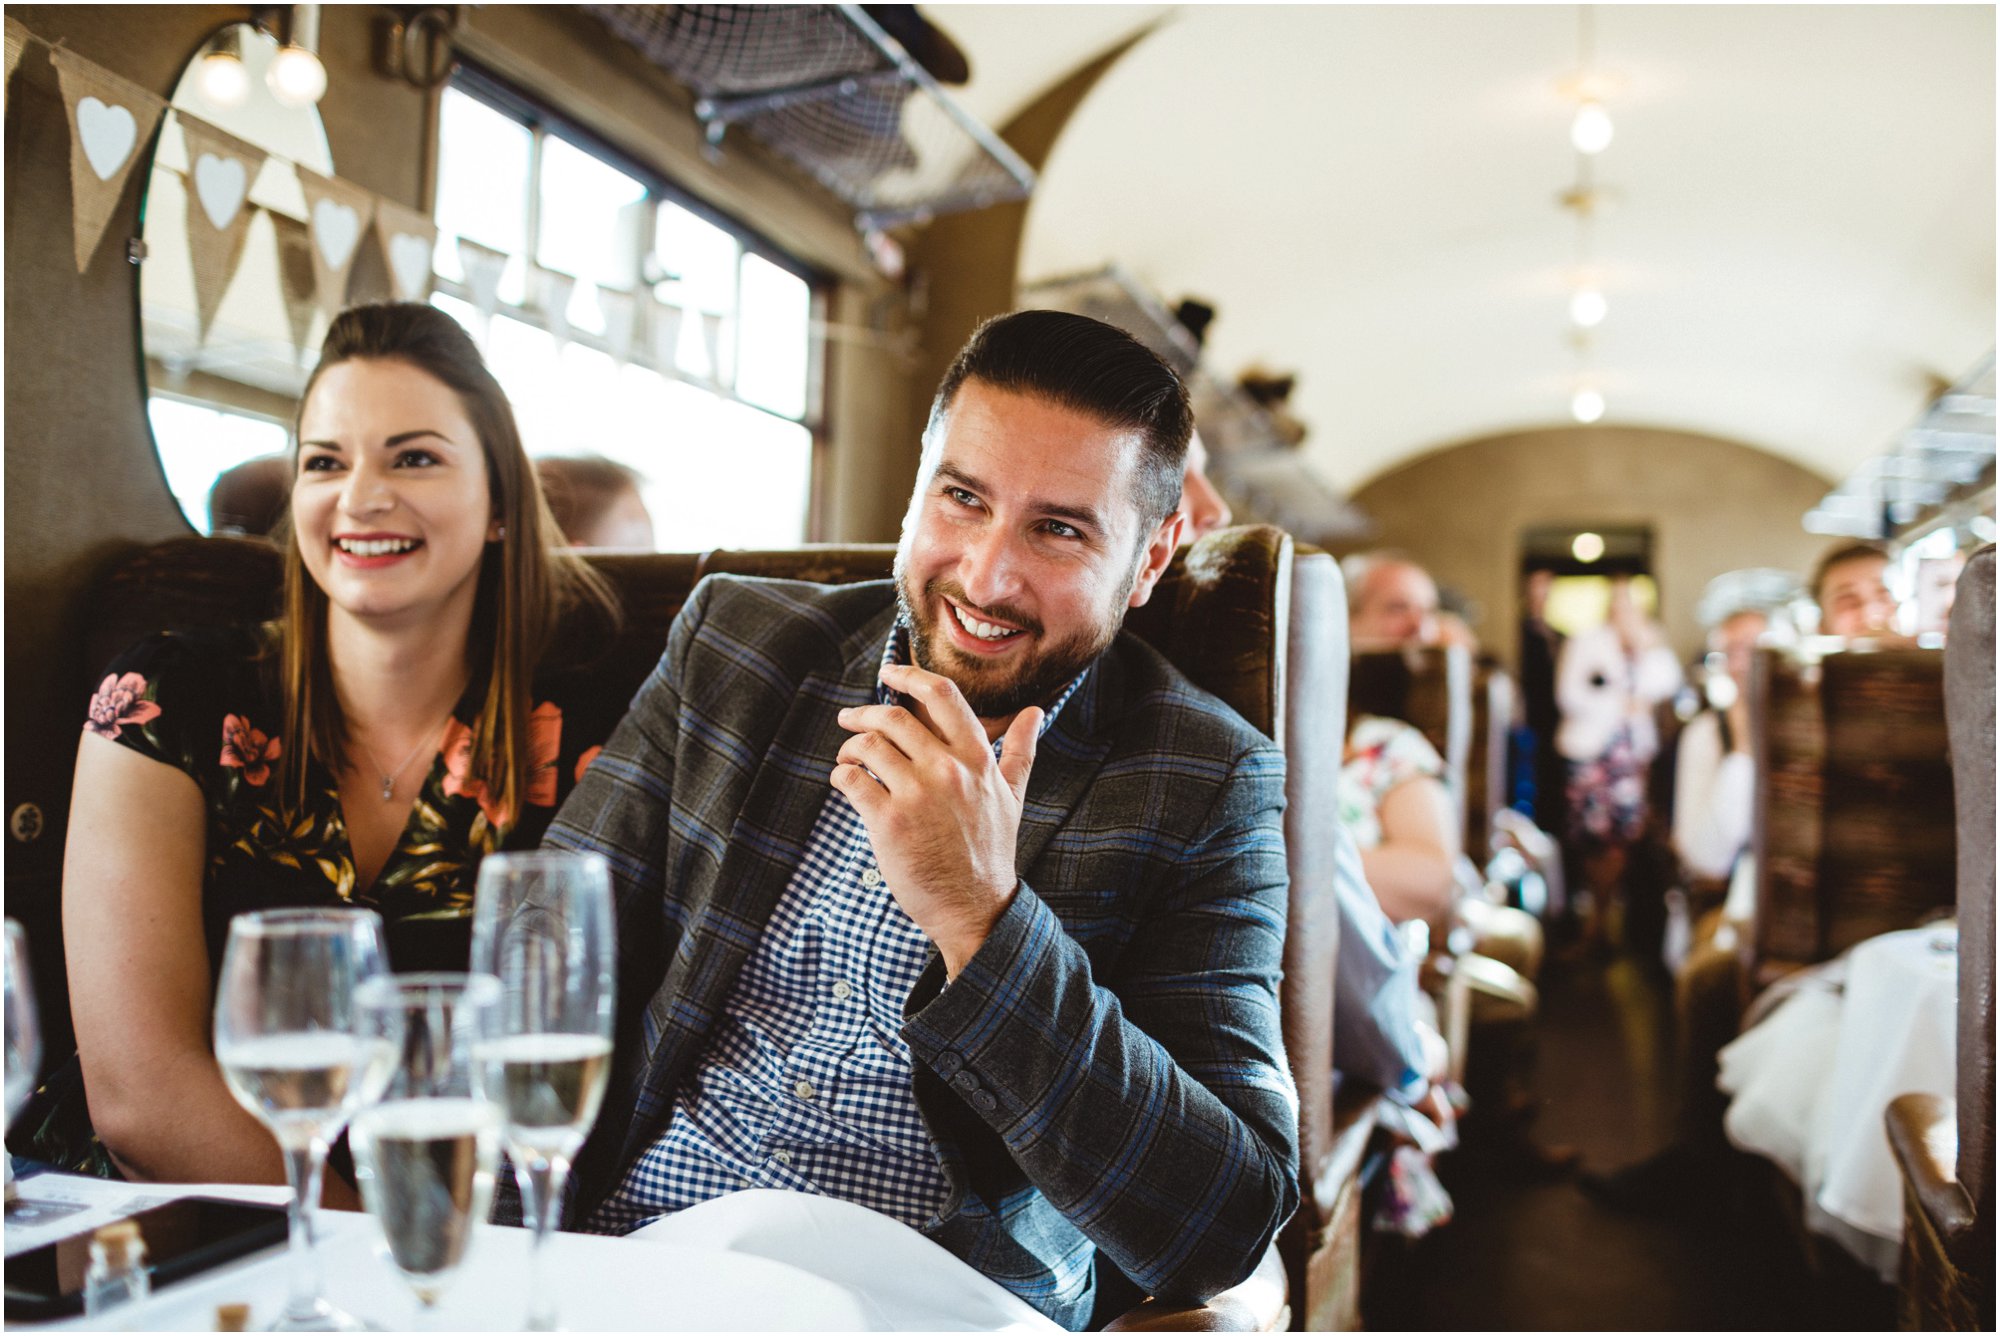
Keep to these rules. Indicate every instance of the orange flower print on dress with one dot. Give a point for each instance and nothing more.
(459, 781)
(119, 702)
(248, 749)
(583, 762)
(544, 743)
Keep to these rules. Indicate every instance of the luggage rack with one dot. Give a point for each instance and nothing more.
(1941, 460)
(826, 88)
(1249, 460)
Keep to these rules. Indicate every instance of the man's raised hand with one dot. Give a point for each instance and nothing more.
(942, 814)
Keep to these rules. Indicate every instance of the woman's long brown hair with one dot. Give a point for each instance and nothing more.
(526, 582)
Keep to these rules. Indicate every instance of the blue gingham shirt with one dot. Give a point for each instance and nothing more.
(806, 1084)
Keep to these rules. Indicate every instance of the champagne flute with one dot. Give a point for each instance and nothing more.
(286, 1041)
(425, 1154)
(542, 924)
(24, 1034)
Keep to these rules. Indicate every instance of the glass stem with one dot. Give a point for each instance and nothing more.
(304, 1166)
(542, 1179)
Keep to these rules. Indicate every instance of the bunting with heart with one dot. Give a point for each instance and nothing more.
(338, 215)
(298, 279)
(221, 168)
(18, 38)
(110, 119)
(407, 239)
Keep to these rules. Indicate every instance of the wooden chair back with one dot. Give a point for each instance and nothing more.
(1853, 823)
(1429, 687)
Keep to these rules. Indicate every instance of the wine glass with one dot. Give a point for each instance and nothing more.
(425, 1154)
(542, 924)
(24, 1035)
(286, 1040)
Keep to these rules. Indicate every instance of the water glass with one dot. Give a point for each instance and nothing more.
(542, 924)
(425, 1154)
(287, 1042)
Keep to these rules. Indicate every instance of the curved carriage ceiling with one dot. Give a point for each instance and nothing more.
(1804, 238)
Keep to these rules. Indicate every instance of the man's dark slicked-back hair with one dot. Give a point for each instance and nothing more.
(1092, 368)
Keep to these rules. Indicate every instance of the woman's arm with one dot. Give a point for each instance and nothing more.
(1410, 871)
(139, 978)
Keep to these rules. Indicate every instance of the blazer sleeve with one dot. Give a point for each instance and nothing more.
(1159, 1116)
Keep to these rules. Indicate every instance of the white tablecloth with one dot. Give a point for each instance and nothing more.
(754, 1261)
(1814, 1080)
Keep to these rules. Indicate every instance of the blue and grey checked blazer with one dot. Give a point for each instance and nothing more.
(1107, 1072)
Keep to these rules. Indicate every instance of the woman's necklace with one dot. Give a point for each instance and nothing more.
(389, 777)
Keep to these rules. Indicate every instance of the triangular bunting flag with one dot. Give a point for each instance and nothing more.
(18, 38)
(667, 321)
(338, 215)
(711, 339)
(220, 170)
(406, 238)
(110, 119)
(553, 291)
(483, 268)
(619, 309)
(298, 278)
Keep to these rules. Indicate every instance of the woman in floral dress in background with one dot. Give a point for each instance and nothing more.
(394, 724)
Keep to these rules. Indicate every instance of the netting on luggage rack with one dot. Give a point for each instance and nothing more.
(824, 87)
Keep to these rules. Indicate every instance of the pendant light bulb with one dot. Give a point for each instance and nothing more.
(1591, 130)
(296, 77)
(1587, 308)
(223, 78)
(1586, 405)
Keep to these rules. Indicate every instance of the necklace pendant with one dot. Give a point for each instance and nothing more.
(388, 788)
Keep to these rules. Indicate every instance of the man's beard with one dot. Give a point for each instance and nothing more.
(994, 690)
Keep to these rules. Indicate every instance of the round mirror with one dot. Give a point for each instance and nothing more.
(226, 400)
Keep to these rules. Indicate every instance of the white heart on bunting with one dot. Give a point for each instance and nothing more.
(108, 133)
(338, 227)
(221, 184)
(410, 257)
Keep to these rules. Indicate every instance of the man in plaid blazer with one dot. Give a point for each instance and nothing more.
(1091, 1040)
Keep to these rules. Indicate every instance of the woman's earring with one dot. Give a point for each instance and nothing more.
(499, 533)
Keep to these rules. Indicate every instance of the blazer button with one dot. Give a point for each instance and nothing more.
(966, 1081)
(984, 1101)
(950, 1064)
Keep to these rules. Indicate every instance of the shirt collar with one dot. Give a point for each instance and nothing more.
(897, 651)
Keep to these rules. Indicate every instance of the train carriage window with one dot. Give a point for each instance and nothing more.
(199, 443)
(711, 401)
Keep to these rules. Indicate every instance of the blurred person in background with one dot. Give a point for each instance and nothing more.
(596, 502)
(1851, 587)
(1202, 508)
(249, 500)
(1608, 680)
(1391, 602)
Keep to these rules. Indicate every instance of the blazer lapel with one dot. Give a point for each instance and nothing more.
(766, 843)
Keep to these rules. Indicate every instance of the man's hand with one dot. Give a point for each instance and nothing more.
(942, 814)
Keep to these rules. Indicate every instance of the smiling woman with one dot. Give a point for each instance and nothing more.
(279, 765)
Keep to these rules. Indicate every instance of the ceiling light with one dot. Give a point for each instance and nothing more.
(221, 75)
(296, 77)
(1587, 548)
(1587, 308)
(1591, 130)
(1586, 405)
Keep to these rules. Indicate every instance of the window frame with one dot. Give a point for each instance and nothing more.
(543, 121)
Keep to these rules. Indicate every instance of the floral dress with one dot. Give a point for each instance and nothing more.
(208, 704)
(1380, 755)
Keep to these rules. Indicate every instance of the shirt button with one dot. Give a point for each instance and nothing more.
(783, 1157)
(871, 877)
(842, 990)
(803, 1088)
